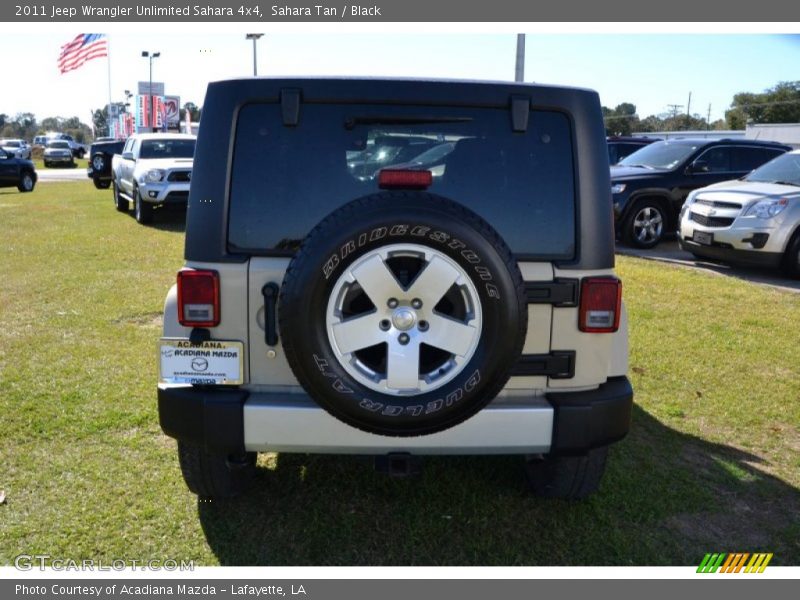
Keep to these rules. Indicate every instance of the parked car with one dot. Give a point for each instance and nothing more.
(650, 186)
(754, 220)
(100, 155)
(78, 150)
(58, 152)
(621, 146)
(17, 172)
(325, 310)
(17, 147)
(153, 170)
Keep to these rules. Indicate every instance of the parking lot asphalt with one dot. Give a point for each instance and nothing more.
(669, 252)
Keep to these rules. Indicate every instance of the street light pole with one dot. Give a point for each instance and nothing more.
(254, 37)
(151, 56)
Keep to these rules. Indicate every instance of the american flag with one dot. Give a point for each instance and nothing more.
(85, 46)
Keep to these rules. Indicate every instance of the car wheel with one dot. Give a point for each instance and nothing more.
(100, 184)
(412, 310)
(98, 163)
(644, 227)
(567, 477)
(120, 203)
(26, 182)
(47, 164)
(215, 476)
(791, 258)
(142, 210)
(80, 153)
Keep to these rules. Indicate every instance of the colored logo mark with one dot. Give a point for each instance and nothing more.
(735, 562)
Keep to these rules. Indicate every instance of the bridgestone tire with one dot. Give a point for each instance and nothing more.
(567, 477)
(213, 476)
(441, 232)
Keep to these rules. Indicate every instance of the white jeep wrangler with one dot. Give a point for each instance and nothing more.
(397, 268)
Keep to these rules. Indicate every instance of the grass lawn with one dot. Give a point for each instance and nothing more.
(712, 463)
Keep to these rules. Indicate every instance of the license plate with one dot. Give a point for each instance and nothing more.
(703, 237)
(208, 363)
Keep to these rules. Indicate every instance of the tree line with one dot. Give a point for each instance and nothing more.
(778, 104)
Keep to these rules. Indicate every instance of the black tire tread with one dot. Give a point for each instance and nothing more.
(213, 476)
(789, 263)
(567, 477)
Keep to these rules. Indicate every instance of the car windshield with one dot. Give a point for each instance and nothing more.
(11, 144)
(659, 155)
(783, 169)
(59, 145)
(167, 148)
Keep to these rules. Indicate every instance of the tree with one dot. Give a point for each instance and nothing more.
(779, 104)
(100, 121)
(622, 120)
(194, 111)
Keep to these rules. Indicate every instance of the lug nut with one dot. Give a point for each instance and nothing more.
(385, 324)
(392, 303)
(423, 326)
(403, 338)
(416, 303)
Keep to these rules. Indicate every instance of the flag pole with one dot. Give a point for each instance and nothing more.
(108, 64)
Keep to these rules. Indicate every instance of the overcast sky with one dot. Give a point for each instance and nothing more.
(651, 71)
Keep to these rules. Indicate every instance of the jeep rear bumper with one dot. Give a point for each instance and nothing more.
(229, 421)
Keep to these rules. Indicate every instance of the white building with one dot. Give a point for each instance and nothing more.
(785, 133)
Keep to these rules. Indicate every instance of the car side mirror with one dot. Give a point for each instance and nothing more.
(127, 155)
(698, 166)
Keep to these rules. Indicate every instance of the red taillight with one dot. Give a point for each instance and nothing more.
(198, 298)
(601, 298)
(404, 179)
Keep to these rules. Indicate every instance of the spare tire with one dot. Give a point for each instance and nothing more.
(402, 313)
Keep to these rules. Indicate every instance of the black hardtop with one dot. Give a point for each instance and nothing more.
(207, 217)
(107, 146)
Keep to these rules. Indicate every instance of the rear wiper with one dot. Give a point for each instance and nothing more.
(639, 166)
(351, 122)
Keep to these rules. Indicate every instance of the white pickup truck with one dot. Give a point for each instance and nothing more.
(154, 169)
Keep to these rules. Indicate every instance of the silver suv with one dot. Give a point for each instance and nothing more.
(754, 220)
(349, 290)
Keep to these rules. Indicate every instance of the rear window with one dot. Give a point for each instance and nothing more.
(161, 148)
(285, 180)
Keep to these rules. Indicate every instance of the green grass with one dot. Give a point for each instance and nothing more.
(711, 463)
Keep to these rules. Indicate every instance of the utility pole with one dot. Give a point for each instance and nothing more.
(519, 71)
(688, 107)
(708, 118)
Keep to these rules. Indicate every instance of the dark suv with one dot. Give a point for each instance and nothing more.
(100, 155)
(649, 186)
(341, 294)
(620, 146)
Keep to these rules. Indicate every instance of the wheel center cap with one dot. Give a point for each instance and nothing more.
(404, 319)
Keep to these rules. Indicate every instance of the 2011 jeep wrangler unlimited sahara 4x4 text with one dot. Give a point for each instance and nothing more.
(397, 268)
